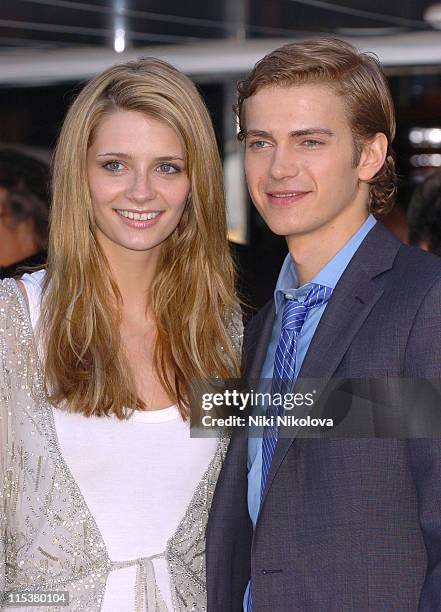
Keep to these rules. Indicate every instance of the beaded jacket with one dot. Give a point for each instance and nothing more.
(49, 540)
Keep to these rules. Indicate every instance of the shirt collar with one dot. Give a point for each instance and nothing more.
(288, 284)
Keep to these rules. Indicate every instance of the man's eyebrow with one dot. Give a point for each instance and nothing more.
(312, 131)
(296, 133)
(257, 133)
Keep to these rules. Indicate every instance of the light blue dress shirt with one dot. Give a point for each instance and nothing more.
(287, 288)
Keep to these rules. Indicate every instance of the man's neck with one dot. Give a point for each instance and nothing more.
(311, 252)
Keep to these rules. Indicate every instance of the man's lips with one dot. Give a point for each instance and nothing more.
(284, 198)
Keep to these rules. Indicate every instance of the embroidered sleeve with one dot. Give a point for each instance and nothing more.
(48, 537)
(7, 338)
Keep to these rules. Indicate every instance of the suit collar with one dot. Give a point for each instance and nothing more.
(375, 255)
(330, 273)
(352, 300)
(377, 252)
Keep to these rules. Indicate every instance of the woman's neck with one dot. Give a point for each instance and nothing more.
(133, 272)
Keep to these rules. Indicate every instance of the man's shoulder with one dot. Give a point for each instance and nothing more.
(411, 268)
(410, 279)
(417, 268)
(420, 283)
(414, 253)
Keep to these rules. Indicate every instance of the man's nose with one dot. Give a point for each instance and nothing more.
(284, 164)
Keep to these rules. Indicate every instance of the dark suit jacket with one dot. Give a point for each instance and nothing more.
(346, 525)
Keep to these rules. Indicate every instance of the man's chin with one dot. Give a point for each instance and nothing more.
(283, 229)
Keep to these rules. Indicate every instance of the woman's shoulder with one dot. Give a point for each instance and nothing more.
(31, 285)
(14, 311)
(9, 295)
(11, 288)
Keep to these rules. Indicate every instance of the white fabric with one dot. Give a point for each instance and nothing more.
(137, 476)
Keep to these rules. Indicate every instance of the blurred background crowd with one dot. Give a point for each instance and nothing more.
(50, 48)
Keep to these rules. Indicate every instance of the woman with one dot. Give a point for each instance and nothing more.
(105, 494)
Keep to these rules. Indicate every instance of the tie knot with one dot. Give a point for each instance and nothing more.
(294, 312)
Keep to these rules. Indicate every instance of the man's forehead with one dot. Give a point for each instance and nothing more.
(293, 90)
(306, 106)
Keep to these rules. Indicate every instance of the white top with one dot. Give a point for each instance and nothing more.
(137, 476)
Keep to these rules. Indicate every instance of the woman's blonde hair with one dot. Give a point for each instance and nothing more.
(192, 296)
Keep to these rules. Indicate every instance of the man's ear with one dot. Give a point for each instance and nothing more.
(372, 157)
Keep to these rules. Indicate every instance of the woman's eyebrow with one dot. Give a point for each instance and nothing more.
(128, 156)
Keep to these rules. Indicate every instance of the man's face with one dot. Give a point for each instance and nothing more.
(299, 154)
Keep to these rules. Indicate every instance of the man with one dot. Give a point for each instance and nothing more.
(336, 524)
(24, 212)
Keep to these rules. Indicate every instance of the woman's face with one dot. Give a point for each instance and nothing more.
(138, 181)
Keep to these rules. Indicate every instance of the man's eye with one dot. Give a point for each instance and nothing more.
(168, 169)
(113, 166)
(312, 143)
(258, 144)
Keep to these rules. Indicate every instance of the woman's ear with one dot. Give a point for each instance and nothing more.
(372, 157)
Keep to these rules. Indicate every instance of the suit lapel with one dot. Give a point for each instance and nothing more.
(353, 299)
(257, 338)
(341, 321)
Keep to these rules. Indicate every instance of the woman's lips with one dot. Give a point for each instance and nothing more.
(140, 223)
(285, 198)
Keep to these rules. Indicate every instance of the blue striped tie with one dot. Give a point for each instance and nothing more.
(294, 315)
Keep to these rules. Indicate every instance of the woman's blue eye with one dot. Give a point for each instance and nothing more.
(168, 169)
(113, 166)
